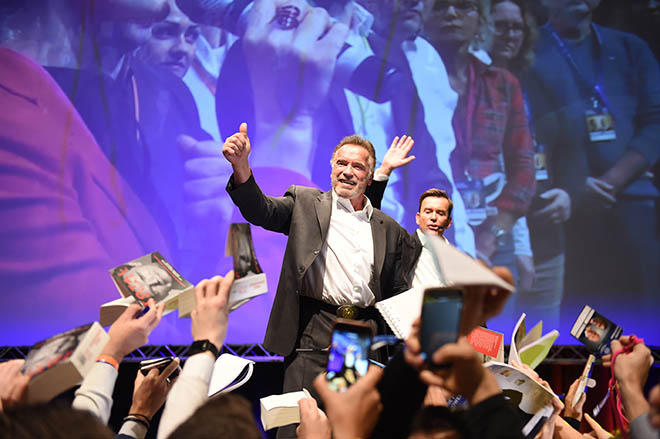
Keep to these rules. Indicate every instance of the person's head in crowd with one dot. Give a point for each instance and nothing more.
(514, 35)
(571, 18)
(51, 421)
(434, 422)
(396, 19)
(172, 42)
(457, 25)
(353, 162)
(228, 415)
(434, 215)
(49, 31)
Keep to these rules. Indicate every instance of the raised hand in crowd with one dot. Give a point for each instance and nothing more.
(12, 384)
(354, 413)
(211, 314)
(480, 304)
(397, 155)
(631, 369)
(150, 391)
(574, 411)
(314, 423)
(130, 330)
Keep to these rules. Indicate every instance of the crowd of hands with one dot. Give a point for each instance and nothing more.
(355, 413)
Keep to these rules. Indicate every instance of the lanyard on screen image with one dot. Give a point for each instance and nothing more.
(595, 88)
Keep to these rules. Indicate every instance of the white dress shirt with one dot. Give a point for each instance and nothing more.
(341, 273)
(427, 273)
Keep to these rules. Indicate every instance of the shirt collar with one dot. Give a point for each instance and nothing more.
(424, 239)
(345, 203)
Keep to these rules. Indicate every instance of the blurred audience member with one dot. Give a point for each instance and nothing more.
(172, 42)
(541, 278)
(227, 416)
(51, 421)
(202, 77)
(422, 107)
(209, 329)
(594, 94)
(492, 162)
(67, 217)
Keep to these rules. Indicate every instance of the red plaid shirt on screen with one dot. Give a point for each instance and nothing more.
(492, 135)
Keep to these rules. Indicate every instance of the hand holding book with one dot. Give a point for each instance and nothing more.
(211, 313)
(131, 330)
(13, 384)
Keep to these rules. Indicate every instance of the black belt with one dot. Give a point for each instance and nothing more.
(344, 311)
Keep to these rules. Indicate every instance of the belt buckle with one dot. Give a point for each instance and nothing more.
(347, 312)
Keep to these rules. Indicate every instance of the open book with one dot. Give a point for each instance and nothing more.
(62, 361)
(279, 410)
(531, 399)
(456, 269)
(152, 276)
(229, 372)
(530, 348)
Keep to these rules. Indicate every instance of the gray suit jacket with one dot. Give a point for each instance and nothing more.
(304, 215)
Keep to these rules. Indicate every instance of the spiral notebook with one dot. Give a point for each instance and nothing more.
(400, 311)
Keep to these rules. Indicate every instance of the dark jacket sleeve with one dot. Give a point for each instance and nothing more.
(375, 192)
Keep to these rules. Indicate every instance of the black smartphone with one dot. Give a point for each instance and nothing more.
(348, 356)
(441, 318)
(161, 364)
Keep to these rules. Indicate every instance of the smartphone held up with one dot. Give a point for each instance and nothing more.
(441, 319)
(348, 356)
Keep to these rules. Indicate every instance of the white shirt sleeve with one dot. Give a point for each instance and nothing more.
(521, 243)
(189, 392)
(95, 393)
(133, 429)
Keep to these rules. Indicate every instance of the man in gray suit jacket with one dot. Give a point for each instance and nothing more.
(342, 255)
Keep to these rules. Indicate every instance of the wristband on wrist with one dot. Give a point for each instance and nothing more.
(108, 359)
(140, 419)
(203, 346)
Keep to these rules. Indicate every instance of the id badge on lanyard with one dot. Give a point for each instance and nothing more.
(600, 123)
(472, 191)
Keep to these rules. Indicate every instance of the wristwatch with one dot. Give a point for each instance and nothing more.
(500, 235)
(203, 346)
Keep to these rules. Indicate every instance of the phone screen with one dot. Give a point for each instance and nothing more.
(348, 357)
(441, 318)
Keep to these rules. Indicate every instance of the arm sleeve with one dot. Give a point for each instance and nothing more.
(646, 136)
(188, 393)
(640, 428)
(95, 393)
(518, 155)
(133, 430)
(376, 190)
(271, 213)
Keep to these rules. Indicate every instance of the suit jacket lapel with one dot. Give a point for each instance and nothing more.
(380, 243)
(323, 207)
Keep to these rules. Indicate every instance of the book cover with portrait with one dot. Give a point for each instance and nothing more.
(149, 277)
(595, 331)
(62, 361)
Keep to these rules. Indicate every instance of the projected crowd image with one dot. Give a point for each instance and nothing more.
(540, 119)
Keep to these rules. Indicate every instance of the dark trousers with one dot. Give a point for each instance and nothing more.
(309, 359)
